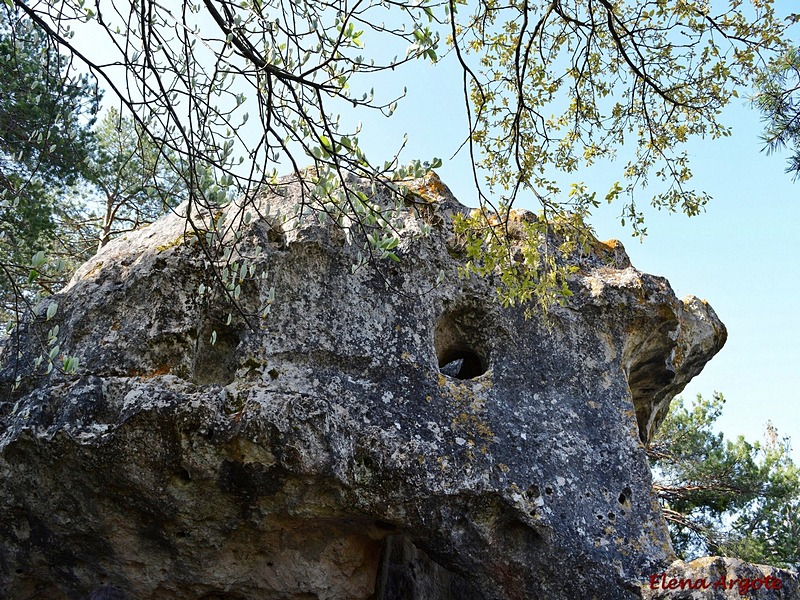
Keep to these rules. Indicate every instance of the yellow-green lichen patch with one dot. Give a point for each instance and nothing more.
(184, 237)
(430, 189)
(468, 422)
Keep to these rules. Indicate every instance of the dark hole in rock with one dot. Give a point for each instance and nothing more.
(624, 495)
(460, 341)
(276, 237)
(216, 359)
(385, 526)
(548, 490)
(249, 480)
(269, 229)
(466, 365)
(611, 516)
(406, 571)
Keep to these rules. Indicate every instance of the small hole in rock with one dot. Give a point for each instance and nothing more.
(548, 490)
(216, 358)
(460, 341)
(611, 516)
(463, 364)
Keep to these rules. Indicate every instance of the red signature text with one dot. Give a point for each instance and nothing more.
(743, 585)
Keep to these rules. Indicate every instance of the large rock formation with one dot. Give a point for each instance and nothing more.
(393, 434)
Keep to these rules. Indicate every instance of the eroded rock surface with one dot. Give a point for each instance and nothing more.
(322, 453)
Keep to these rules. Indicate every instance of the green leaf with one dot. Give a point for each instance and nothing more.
(38, 259)
(70, 364)
(51, 310)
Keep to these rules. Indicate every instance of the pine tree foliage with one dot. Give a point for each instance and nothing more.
(46, 115)
(726, 497)
(778, 99)
(135, 179)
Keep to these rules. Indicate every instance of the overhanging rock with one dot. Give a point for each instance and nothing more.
(415, 440)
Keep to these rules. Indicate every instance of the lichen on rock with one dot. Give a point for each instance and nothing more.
(363, 440)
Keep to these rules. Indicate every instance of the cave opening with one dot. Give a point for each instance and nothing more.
(460, 341)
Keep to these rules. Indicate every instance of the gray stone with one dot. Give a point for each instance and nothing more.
(321, 452)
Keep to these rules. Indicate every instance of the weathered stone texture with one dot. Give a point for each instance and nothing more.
(322, 453)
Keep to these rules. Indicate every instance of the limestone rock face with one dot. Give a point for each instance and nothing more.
(388, 435)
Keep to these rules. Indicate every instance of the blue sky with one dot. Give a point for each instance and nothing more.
(742, 254)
